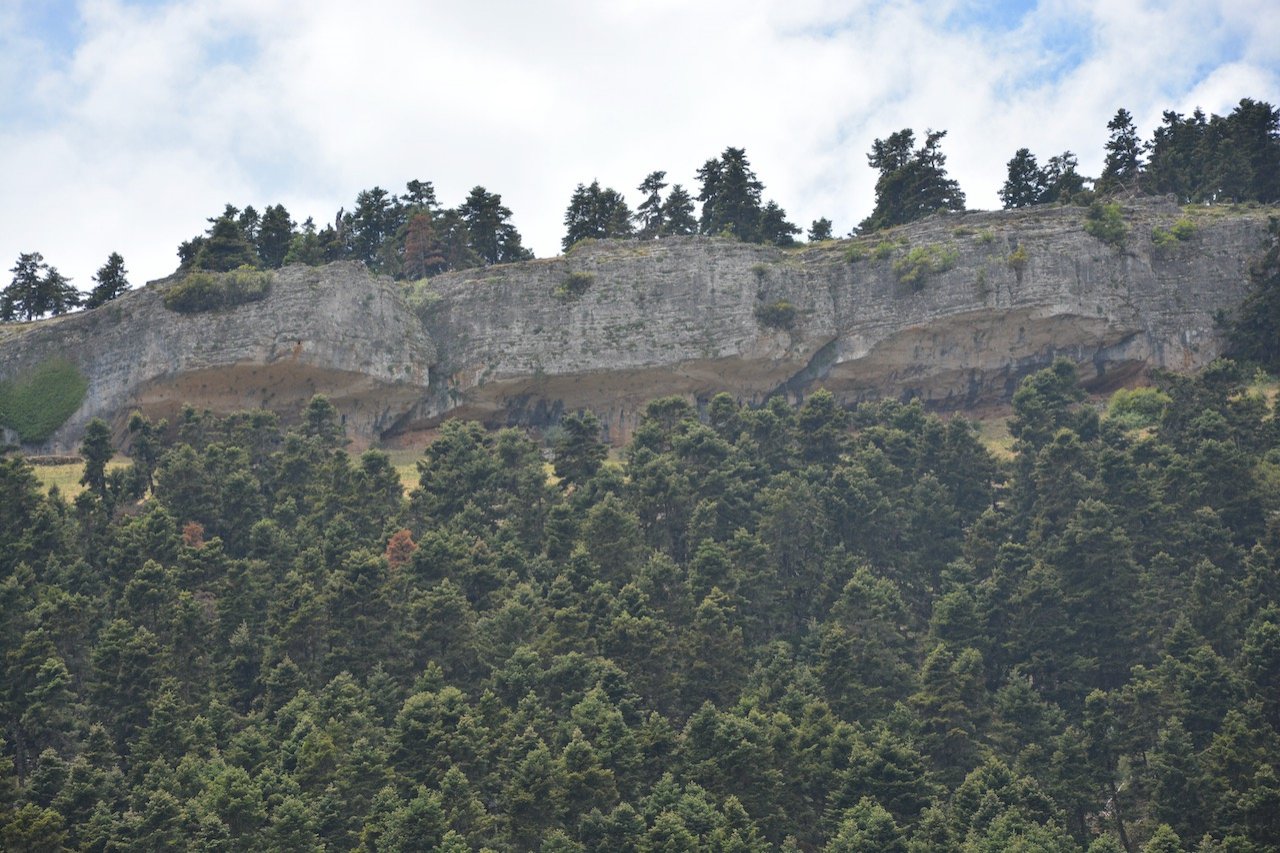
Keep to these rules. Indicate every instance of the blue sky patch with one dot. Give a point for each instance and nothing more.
(55, 24)
(994, 16)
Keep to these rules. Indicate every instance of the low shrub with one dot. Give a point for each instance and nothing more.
(1138, 407)
(1184, 229)
(1017, 259)
(923, 261)
(36, 403)
(1105, 222)
(856, 252)
(776, 315)
(884, 250)
(575, 284)
(208, 291)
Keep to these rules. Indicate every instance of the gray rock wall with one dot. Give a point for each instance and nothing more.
(679, 316)
(617, 323)
(336, 330)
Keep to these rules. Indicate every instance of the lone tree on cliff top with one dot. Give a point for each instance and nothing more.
(111, 282)
(913, 182)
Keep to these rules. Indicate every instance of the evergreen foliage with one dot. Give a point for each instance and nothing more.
(1105, 221)
(732, 206)
(913, 182)
(36, 289)
(111, 281)
(226, 247)
(1122, 167)
(819, 230)
(1029, 184)
(1255, 334)
(1216, 158)
(649, 214)
(776, 628)
(599, 214)
(490, 234)
(678, 218)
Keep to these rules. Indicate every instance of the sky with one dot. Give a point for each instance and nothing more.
(125, 124)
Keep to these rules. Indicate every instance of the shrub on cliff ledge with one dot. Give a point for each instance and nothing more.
(575, 284)
(921, 262)
(1184, 229)
(206, 291)
(1105, 222)
(776, 315)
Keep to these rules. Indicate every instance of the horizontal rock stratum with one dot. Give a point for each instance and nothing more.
(953, 310)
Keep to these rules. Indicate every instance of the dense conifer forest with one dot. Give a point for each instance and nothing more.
(780, 627)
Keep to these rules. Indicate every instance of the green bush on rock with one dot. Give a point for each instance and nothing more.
(207, 291)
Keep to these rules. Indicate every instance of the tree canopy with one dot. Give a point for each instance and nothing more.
(36, 290)
(598, 214)
(111, 281)
(772, 627)
(732, 206)
(913, 182)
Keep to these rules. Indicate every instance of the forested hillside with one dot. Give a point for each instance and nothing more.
(796, 628)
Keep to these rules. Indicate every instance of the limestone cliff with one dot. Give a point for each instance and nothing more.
(336, 330)
(953, 310)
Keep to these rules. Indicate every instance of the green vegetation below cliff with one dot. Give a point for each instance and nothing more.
(776, 627)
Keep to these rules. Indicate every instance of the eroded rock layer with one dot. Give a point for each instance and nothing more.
(953, 310)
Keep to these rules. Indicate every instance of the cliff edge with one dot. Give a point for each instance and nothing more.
(954, 310)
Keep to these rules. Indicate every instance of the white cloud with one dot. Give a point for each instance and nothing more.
(163, 114)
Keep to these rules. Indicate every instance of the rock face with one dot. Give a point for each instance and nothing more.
(335, 330)
(953, 310)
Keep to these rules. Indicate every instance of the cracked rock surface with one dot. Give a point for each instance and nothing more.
(954, 310)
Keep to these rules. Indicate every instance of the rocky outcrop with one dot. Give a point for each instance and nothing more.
(335, 330)
(953, 310)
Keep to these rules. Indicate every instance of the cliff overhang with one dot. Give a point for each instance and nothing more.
(954, 310)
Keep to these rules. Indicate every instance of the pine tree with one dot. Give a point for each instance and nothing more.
(578, 450)
(649, 214)
(57, 295)
(111, 282)
(423, 254)
(97, 452)
(1061, 180)
(305, 247)
(274, 237)
(678, 218)
(730, 196)
(226, 247)
(1122, 168)
(1026, 182)
(774, 228)
(21, 298)
(489, 233)
(913, 183)
(820, 230)
(36, 289)
(597, 214)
